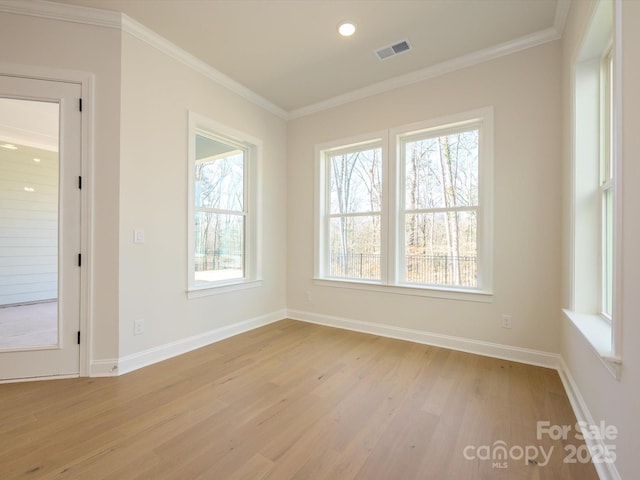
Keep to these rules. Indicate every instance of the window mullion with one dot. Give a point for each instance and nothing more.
(469, 208)
(354, 214)
(395, 204)
(326, 250)
(387, 220)
(220, 211)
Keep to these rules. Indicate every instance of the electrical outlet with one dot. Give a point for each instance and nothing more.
(138, 326)
(308, 295)
(506, 321)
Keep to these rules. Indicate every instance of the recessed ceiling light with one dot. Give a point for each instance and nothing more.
(37, 160)
(29, 189)
(346, 29)
(9, 146)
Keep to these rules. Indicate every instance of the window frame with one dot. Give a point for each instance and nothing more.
(392, 225)
(482, 120)
(602, 332)
(322, 209)
(328, 156)
(243, 212)
(606, 187)
(252, 148)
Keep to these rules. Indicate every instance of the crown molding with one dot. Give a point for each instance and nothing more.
(59, 11)
(112, 19)
(157, 41)
(490, 53)
(562, 13)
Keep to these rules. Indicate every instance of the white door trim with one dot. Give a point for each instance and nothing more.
(86, 80)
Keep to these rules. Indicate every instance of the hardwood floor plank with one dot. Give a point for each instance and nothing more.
(255, 469)
(291, 401)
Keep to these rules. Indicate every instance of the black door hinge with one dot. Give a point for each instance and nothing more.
(78, 337)
(80, 182)
(80, 104)
(79, 259)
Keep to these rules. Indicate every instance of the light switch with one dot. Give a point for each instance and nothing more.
(138, 236)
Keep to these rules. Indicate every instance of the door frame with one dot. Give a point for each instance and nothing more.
(86, 80)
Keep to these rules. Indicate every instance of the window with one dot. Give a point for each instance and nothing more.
(595, 189)
(440, 206)
(222, 220)
(606, 188)
(354, 211)
(412, 216)
(220, 211)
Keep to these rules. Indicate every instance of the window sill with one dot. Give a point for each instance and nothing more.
(598, 334)
(221, 288)
(466, 295)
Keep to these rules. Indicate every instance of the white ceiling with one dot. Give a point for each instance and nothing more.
(289, 52)
(31, 123)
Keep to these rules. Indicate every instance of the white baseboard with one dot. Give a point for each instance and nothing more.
(487, 349)
(113, 367)
(153, 355)
(106, 367)
(606, 471)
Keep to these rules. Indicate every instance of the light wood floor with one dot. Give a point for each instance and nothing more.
(289, 401)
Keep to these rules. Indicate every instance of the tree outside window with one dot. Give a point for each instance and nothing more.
(219, 215)
(355, 202)
(440, 208)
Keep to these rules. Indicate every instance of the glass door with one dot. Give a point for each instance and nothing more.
(39, 228)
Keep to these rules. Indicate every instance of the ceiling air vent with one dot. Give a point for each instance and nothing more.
(391, 50)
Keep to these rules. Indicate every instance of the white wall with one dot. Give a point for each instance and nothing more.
(613, 401)
(157, 93)
(524, 89)
(62, 45)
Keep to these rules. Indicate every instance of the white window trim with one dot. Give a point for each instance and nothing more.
(252, 176)
(408, 289)
(321, 219)
(606, 183)
(390, 229)
(616, 152)
(603, 335)
(483, 120)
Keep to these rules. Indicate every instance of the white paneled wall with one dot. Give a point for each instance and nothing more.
(28, 225)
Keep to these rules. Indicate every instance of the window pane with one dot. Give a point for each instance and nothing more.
(219, 249)
(354, 249)
(219, 183)
(608, 131)
(31, 195)
(441, 248)
(442, 172)
(356, 181)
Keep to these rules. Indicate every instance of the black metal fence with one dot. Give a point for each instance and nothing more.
(355, 265)
(442, 270)
(216, 260)
(425, 269)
